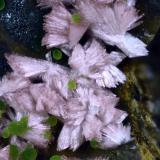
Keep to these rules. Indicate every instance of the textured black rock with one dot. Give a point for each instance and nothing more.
(152, 7)
(4, 67)
(23, 21)
(154, 49)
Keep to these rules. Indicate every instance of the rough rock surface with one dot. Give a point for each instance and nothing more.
(22, 21)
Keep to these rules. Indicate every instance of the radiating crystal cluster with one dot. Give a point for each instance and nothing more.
(78, 95)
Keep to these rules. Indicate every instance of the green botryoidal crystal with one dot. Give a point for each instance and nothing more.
(14, 152)
(16, 128)
(94, 144)
(6, 133)
(48, 135)
(57, 54)
(52, 121)
(72, 85)
(2, 4)
(76, 18)
(29, 154)
(2, 108)
(55, 157)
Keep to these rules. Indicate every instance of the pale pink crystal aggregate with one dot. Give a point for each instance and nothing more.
(85, 112)
(89, 111)
(111, 23)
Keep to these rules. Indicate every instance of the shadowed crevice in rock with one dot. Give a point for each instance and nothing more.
(4, 67)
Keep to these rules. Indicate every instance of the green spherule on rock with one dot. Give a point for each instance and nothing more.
(55, 157)
(72, 85)
(76, 18)
(2, 4)
(57, 54)
(29, 153)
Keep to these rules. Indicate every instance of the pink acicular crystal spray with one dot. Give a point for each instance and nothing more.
(87, 110)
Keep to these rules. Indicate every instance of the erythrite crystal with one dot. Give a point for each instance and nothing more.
(85, 109)
(4, 153)
(50, 3)
(61, 29)
(37, 129)
(111, 23)
(93, 62)
(77, 94)
(104, 1)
